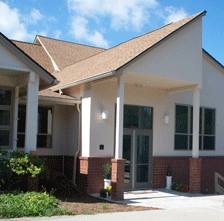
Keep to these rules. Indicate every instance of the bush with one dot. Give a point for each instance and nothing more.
(29, 204)
(17, 166)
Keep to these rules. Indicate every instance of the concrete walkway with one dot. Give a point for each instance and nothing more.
(174, 206)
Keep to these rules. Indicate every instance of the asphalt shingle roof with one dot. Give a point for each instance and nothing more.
(66, 53)
(116, 57)
(37, 53)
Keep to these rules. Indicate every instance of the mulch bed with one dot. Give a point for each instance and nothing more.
(78, 202)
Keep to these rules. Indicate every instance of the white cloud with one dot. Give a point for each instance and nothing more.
(127, 14)
(36, 15)
(11, 25)
(57, 34)
(174, 14)
(81, 32)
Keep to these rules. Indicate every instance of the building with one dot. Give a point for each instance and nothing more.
(153, 100)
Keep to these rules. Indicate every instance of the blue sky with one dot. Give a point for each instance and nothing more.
(106, 23)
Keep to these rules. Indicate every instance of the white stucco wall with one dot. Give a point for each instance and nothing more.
(178, 58)
(103, 97)
(8, 59)
(211, 96)
(64, 131)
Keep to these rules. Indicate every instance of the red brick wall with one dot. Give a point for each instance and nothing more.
(90, 177)
(117, 179)
(90, 170)
(54, 163)
(195, 175)
(180, 171)
(209, 166)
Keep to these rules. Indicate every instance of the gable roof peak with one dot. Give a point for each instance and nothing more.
(119, 57)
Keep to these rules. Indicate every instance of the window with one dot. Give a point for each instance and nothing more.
(184, 128)
(5, 117)
(137, 117)
(44, 134)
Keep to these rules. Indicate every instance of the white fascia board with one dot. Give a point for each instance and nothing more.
(212, 60)
(85, 80)
(56, 68)
(50, 79)
(148, 50)
(60, 100)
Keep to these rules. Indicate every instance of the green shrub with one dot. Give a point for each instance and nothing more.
(105, 206)
(17, 166)
(29, 204)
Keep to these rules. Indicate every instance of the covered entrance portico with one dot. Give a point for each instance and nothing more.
(138, 167)
(19, 76)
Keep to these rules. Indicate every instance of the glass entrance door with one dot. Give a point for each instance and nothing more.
(137, 150)
(137, 146)
(143, 159)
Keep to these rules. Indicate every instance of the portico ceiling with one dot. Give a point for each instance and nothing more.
(156, 82)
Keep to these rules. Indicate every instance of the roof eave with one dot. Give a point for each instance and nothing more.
(59, 100)
(120, 69)
(26, 59)
(213, 59)
(85, 80)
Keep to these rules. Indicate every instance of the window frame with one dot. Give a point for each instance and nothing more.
(11, 109)
(40, 134)
(189, 134)
(139, 116)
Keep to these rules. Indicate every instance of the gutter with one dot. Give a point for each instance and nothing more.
(86, 80)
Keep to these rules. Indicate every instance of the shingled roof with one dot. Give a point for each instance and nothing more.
(66, 53)
(114, 58)
(37, 53)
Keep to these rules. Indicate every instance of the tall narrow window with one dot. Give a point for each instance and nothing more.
(44, 134)
(182, 128)
(5, 117)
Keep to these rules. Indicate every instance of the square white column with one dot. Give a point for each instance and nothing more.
(119, 118)
(15, 118)
(31, 113)
(86, 123)
(196, 110)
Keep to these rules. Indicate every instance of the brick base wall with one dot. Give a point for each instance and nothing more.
(89, 177)
(181, 168)
(90, 170)
(195, 175)
(117, 179)
(210, 165)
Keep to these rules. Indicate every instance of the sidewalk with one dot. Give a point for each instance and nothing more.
(174, 206)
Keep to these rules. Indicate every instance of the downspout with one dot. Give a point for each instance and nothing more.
(79, 136)
(79, 139)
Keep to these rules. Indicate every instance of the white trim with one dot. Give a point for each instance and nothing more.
(133, 161)
(56, 68)
(15, 120)
(60, 100)
(33, 65)
(178, 89)
(196, 111)
(31, 115)
(15, 68)
(85, 80)
(119, 118)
